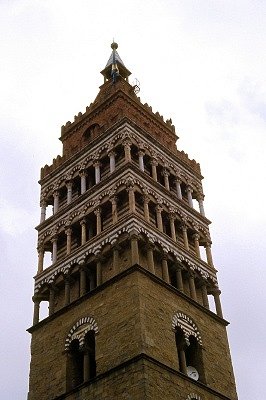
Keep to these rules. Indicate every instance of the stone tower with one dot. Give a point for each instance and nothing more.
(132, 272)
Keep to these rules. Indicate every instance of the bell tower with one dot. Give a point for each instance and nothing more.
(129, 277)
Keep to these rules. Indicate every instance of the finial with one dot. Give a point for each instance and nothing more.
(114, 46)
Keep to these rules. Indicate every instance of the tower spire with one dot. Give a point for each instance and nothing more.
(115, 68)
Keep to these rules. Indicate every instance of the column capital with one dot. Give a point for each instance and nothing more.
(113, 199)
(43, 202)
(146, 198)
(200, 196)
(159, 208)
(111, 153)
(68, 230)
(56, 192)
(208, 243)
(189, 189)
(96, 163)
(97, 211)
(172, 216)
(154, 161)
(196, 236)
(127, 142)
(69, 183)
(83, 221)
(83, 172)
(165, 172)
(54, 238)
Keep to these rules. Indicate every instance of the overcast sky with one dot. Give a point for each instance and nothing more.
(201, 63)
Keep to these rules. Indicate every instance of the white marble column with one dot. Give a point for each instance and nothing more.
(83, 231)
(178, 188)
(111, 156)
(69, 185)
(172, 226)
(114, 209)
(43, 211)
(97, 212)
(40, 259)
(189, 196)
(209, 253)
(127, 149)
(200, 199)
(68, 235)
(166, 178)
(97, 171)
(196, 238)
(154, 164)
(146, 207)
(83, 183)
(185, 238)
(54, 253)
(159, 217)
(141, 161)
(56, 201)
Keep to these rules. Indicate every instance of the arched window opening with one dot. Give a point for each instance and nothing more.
(89, 364)
(188, 345)
(91, 132)
(75, 367)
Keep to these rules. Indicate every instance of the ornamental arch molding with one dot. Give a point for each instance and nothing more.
(194, 396)
(80, 329)
(188, 327)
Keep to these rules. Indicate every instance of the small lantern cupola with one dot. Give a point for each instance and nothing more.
(115, 67)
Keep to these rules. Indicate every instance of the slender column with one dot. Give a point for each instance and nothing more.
(150, 258)
(127, 149)
(56, 201)
(116, 258)
(83, 231)
(179, 279)
(54, 253)
(189, 196)
(111, 156)
(218, 306)
(204, 293)
(131, 198)
(182, 361)
(192, 288)
(82, 280)
(51, 301)
(40, 259)
(86, 366)
(69, 185)
(172, 226)
(97, 212)
(209, 253)
(159, 217)
(134, 249)
(92, 281)
(43, 211)
(178, 188)
(114, 209)
(185, 238)
(36, 311)
(196, 242)
(165, 269)
(154, 164)
(67, 291)
(141, 162)
(201, 206)
(99, 272)
(146, 207)
(68, 235)
(83, 183)
(166, 178)
(97, 172)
